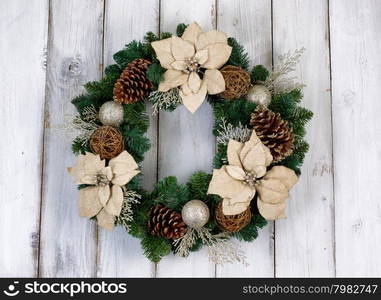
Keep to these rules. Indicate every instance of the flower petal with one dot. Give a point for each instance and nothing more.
(239, 203)
(123, 162)
(234, 148)
(272, 190)
(192, 32)
(104, 194)
(180, 65)
(255, 156)
(163, 52)
(105, 220)
(236, 172)
(215, 81)
(194, 82)
(124, 178)
(211, 37)
(201, 56)
(284, 174)
(218, 55)
(193, 101)
(172, 79)
(181, 49)
(124, 168)
(107, 172)
(186, 89)
(86, 168)
(271, 211)
(88, 202)
(225, 186)
(114, 205)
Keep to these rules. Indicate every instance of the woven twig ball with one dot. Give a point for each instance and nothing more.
(237, 82)
(232, 223)
(107, 141)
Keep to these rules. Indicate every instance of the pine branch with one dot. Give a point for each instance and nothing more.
(155, 247)
(239, 56)
(170, 193)
(259, 73)
(180, 29)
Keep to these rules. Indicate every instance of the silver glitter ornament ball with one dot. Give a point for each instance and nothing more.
(259, 94)
(195, 213)
(111, 113)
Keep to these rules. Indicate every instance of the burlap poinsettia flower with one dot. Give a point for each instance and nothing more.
(195, 54)
(247, 174)
(104, 198)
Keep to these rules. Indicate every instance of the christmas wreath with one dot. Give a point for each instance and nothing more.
(259, 127)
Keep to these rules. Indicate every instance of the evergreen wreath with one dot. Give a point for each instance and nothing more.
(259, 127)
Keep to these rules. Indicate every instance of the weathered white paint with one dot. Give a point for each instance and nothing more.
(68, 242)
(356, 75)
(186, 142)
(120, 255)
(250, 23)
(23, 27)
(304, 245)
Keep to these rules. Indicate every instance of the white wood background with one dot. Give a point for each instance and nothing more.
(49, 49)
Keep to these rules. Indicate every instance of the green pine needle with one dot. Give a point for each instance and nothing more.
(259, 73)
(180, 29)
(239, 56)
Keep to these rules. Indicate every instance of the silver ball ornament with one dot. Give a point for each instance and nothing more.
(195, 214)
(111, 113)
(259, 94)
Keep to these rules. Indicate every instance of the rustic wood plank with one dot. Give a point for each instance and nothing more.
(120, 255)
(304, 242)
(68, 242)
(23, 29)
(250, 23)
(186, 142)
(356, 74)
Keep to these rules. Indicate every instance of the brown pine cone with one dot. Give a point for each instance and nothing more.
(133, 84)
(237, 82)
(165, 222)
(274, 132)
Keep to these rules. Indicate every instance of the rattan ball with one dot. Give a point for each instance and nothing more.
(232, 223)
(237, 82)
(107, 141)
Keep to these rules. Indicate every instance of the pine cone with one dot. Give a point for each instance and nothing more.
(133, 84)
(274, 132)
(165, 222)
(237, 82)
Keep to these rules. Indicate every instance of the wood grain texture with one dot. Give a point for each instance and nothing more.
(356, 75)
(68, 242)
(304, 242)
(23, 30)
(186, 142)
(120, 255)
(250, 23)
(49, 49)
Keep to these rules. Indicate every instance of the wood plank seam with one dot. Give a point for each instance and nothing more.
(103, 67)
(157, 127)
(332, 140)
(272, 68)
(39, 259)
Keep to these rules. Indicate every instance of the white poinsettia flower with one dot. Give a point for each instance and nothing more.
(104, 198)
(195, 53)
(246, 174)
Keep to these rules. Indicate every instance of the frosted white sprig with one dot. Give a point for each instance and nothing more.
(220, 249)
(85, 124)
(127, 214)
(277, 81)
(227, 131)
(164, 100)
